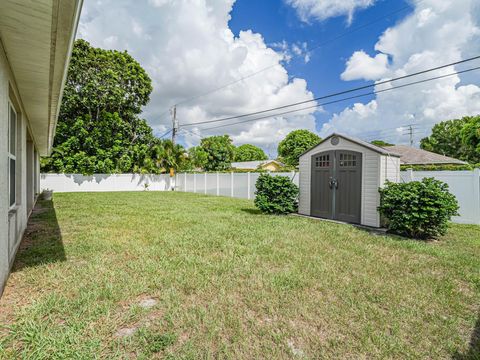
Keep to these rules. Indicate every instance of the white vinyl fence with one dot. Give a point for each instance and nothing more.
(238, 185)
(465, 185)
(104, 182)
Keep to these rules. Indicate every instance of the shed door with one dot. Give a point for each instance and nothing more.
(337, 185)
(322, 174)
(348, 189)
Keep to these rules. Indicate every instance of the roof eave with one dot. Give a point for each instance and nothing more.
(356, 141)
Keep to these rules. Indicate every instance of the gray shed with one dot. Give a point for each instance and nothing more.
(340, 178)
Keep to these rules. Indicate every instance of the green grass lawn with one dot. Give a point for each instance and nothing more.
(175, 275)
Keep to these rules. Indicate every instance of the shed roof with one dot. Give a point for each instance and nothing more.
(365, 144)
(413, 156)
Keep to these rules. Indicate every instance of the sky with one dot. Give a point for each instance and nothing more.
(225, 58)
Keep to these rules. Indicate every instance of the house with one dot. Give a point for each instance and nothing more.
(36, 39)
(340, 177)
(413, 156)
(269, 165)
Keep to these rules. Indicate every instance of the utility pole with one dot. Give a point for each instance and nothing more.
(174, 123)
(174, 135)
(410, 133)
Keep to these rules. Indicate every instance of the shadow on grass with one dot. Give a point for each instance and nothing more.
(42, 241)
(252, 211)
(473, 352)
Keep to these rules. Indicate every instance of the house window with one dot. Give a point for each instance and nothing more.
(322, 161)
(12, 155)
(348, 160)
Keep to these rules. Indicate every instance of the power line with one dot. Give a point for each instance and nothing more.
(334, 94)
(165, 134)
(319, 45)
(339, 100)
(191, 132)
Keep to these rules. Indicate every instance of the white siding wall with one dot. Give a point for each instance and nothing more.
(305, 183)
(370, 184)
(371, 176)
(389, 169)
(4, 262)
(12, 222)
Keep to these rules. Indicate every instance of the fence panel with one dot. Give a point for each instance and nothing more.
(239, 185)
(224, 183)
(104, 182)
(465, 185)
(241, 188)
(211, 184)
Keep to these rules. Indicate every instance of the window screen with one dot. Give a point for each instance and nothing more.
(12, 181)
(13, 131)
(12, 159)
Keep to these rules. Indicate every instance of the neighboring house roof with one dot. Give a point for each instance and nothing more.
(254, 164)
(375, 148)
(413, 156)
(37, 37)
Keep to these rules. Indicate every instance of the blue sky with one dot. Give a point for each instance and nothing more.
(190, 47)
(278, 22)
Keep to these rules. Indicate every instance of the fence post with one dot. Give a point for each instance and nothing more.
(476, 194)
(185, 182)
(194, 182)
(218, 184)
(410, 175)
(231, 184)
(248, 185)
(205, 182)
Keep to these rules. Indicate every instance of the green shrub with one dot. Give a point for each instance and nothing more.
(276, 194)
(418, 209)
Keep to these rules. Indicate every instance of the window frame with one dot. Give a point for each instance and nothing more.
(12, 156)
(322, 161)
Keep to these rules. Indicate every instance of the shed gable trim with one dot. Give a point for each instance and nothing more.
(362, 143)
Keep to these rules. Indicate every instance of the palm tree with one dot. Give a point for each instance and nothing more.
(168, 156)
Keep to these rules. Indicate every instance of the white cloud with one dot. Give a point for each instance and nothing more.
(436, 33)
(324, 9)
(188, 49)
(362, 66)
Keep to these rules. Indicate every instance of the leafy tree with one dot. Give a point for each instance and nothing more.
(103, 80)
(249, 152)
(99, 130)
(470, 135)
(219, 150)
(296, 143)
(446, 139)
(197, 157)
(459, 138)
(380, 143)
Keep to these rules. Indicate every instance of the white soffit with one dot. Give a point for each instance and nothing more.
(37, 37)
